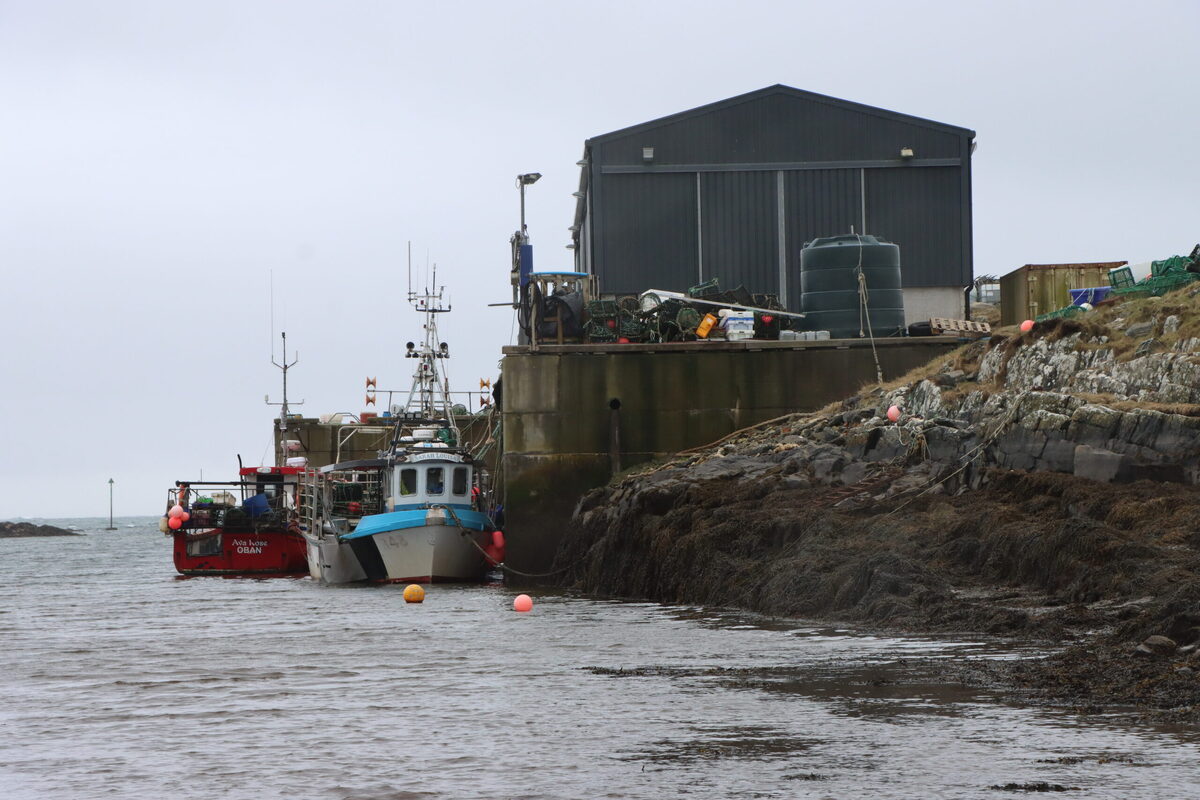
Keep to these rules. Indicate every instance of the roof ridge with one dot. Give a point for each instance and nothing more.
(774, 89)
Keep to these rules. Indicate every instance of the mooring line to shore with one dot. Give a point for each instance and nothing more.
(463, 530)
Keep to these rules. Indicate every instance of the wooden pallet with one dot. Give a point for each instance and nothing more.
(959, 327)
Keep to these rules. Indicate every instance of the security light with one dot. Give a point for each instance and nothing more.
(528, 178)
(906, 152)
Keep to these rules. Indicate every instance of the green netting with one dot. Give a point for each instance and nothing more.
(602, 308)
(599, 332)
(1061, 313)
(1157, 286)
(1172, 264)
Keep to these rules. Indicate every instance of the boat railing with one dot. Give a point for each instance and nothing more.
(214, 504)
(308, 500)
(354, 493)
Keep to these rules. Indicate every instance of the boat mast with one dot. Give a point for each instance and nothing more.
(429, 395)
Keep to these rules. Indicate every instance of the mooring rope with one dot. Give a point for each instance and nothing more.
(864, 310)
(465, 531)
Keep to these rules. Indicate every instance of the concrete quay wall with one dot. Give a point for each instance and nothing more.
(574, 414)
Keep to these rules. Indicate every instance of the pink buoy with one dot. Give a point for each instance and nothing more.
(498, 538)
(176, 511)
(523, 603)
(185, 516)
(894, 413)
(1027, 326)
(174, 523)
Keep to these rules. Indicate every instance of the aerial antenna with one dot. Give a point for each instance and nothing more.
(410, 266)
(283, 406)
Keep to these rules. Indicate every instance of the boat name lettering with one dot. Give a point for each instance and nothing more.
(249, 546)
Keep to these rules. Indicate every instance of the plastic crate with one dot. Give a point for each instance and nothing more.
(706, 289)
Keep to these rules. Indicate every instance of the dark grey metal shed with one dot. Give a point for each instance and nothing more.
(735, 188)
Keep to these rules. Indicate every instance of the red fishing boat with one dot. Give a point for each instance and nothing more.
(246, 527)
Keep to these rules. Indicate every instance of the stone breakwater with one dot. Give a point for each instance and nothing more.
(1040, 485)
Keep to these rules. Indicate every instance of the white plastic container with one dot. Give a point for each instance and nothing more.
(738, 326)
(298, 461)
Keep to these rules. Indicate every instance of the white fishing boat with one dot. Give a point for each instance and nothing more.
(417, 513)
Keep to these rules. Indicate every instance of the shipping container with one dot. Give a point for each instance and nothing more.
(1036, 289)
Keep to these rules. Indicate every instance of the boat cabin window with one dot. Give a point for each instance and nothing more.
(270, 485)
(408, 481)
(204, 546)
(459, 486)
(435, 482)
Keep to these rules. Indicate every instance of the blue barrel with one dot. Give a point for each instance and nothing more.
(829, 286)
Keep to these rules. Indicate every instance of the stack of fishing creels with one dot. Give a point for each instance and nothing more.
(1165, 276)
(674, 318)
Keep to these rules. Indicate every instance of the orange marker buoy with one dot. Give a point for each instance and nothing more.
(523, 603)
(174, 523)
(1027, 326)
(413, 593)
(894, 413)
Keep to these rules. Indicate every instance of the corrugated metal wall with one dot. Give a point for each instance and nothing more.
(707, 204)
(918, 209)
(740, 230)
(818, 203)
(648, 239)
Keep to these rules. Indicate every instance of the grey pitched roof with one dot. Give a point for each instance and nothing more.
(790, 92)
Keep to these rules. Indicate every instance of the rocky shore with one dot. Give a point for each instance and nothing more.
(13, 530)
(1040, 486)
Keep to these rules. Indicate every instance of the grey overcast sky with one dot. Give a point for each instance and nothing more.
(160, 160)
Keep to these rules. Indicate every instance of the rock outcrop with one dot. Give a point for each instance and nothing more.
(20, 529)
(1040, 484)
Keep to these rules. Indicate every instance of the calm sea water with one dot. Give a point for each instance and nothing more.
(120, 679)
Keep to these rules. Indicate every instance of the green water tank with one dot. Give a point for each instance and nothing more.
(829, 286)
